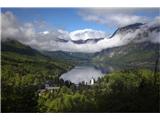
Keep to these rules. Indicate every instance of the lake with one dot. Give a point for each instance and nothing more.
(84, 73)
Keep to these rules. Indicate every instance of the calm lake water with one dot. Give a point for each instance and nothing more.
(83, 73)
(86, 72)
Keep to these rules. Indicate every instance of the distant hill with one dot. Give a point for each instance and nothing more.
(24, 71)
(16, 47)
(70, 56)
(140, 51)
(140, 54)
(16, 54)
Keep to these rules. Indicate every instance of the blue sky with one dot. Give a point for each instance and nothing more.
(42, 28)
(69, 18)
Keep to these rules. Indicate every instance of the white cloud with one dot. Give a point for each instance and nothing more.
(11, 28)
(116, 17)
(45, 32)
(87, 34)
(49, 39)
(64, 34)
(123, 20)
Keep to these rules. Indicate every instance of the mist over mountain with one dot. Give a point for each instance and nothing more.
(85, 41)
(80, 60)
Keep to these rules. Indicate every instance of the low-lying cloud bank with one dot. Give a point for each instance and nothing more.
(51, 40)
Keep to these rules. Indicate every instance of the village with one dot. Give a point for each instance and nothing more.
(48, 87)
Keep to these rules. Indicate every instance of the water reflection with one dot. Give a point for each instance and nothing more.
(82, 73)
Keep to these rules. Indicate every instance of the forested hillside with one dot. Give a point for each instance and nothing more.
(24, 70)
(59, 60)
(24, 73)
(133, 54)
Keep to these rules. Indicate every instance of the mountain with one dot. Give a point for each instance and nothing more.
(138, 44)
(137, 54)
(140, 51)
(24, 71)
(80, 41)
(13, 46)
(81, 36)
(14, 53)
(70, 56)
(126, 29)
(95, 40)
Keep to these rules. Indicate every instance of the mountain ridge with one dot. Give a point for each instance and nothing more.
(106, 55)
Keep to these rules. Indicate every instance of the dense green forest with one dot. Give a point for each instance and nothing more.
(23, 71)
(121, 91)
(23, 74)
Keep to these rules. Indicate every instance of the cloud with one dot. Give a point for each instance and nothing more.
(26, 32)
(127, 19)
(116, 17)
(50, 39)
(45, 32)
(87, 34)
(64, 35)
(11, 28)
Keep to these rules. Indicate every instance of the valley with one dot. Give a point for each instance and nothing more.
(122, 78)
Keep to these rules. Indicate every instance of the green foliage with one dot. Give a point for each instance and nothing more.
(65, 101)
(19, 99)
(128, 91)
(23, 70)
(123, 91)
(135, 55)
